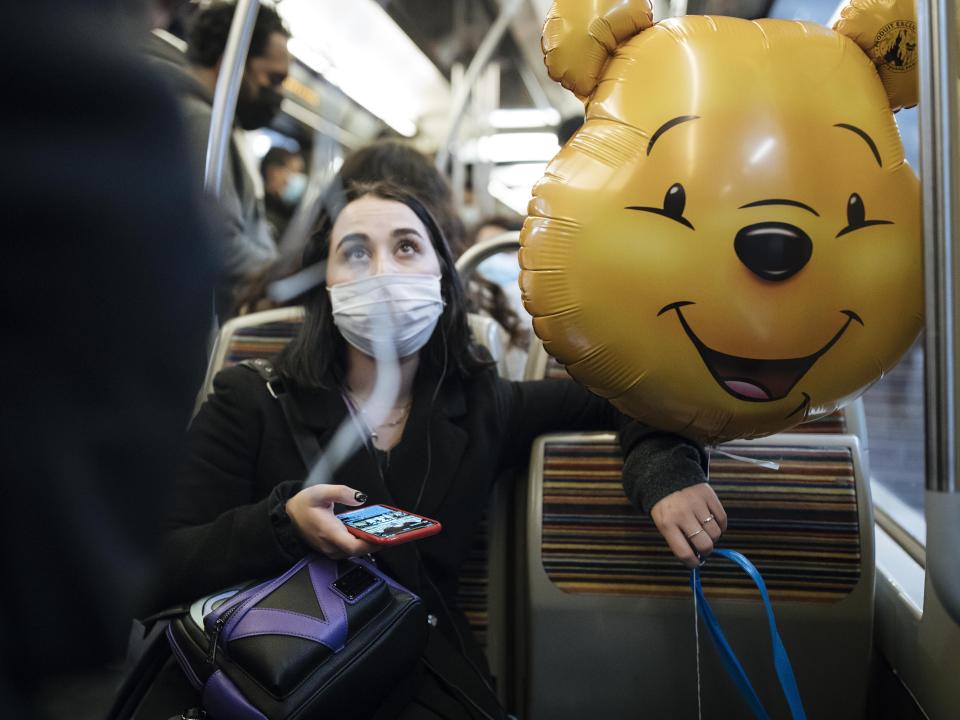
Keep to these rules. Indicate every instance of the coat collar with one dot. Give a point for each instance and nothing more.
(324, 409)
(428, 456)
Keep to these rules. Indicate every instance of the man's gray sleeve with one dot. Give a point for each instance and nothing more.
(246, 245)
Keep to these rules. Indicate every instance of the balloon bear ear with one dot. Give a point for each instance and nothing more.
(886, 30)
(580, 36)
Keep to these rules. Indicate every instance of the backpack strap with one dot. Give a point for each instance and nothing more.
(306, 441)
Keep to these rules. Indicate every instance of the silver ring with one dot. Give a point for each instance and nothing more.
(693, 535)
(708, 519)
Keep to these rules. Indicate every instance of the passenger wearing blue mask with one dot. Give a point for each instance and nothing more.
(494, 290)
(452, 428)
(284, 181)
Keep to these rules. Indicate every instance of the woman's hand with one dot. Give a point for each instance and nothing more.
(691, 521)
(311, 511)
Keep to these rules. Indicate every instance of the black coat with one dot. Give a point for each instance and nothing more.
(228, 526)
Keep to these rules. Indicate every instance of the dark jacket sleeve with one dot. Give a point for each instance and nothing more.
(219, 532)
(656, 463)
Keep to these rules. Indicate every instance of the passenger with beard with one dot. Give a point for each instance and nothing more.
(248, 246)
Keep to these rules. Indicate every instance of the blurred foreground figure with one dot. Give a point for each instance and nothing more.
(106, 288)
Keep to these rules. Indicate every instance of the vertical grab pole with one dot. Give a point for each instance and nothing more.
(459, 105)
(226, 92)
(937, 32)
(221, 124)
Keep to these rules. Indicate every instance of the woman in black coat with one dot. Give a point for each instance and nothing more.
(452, 430)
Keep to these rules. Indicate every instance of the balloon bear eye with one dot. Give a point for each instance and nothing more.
(674, 202)
(857, 216)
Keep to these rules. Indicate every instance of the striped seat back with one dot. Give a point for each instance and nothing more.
(260, 341)
(799, 524)
(609, 607)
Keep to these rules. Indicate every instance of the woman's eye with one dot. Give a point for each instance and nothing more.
(857, 216)
(407, 247)
(356, 254)
(674, 201)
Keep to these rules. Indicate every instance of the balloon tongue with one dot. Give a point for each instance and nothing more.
(747, 389)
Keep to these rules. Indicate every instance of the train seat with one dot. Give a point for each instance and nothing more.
(264, 334)
(606, 614)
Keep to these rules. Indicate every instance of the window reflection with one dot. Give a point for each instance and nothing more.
(895, 440)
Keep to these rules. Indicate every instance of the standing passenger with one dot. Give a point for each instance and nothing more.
(247, 245)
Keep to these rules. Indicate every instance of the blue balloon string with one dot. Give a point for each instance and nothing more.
(729, 659)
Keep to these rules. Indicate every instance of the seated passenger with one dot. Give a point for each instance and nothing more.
(452, 430)
(284, 181)
(495, 291)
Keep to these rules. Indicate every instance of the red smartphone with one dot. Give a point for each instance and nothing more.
(386, 525)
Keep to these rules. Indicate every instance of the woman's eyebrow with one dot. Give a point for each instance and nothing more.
(353, 237)
(400, 232)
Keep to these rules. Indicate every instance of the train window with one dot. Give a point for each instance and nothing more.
(894, 409)
(894, 406)
(908, 121)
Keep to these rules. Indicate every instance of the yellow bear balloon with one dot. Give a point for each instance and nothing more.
(730, 244)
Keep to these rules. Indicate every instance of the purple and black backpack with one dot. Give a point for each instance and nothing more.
(325, 639)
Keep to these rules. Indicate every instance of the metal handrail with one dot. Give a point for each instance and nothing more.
(940, 174)
(226, 91)
(477, 64)
(476, 254)
(901, 536)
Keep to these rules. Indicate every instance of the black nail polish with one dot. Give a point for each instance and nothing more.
(360, 497)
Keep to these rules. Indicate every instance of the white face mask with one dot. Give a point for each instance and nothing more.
(401, 308)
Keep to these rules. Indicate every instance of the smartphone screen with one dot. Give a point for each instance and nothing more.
(384, 522)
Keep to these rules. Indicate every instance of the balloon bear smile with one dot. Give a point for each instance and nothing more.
(752, 379)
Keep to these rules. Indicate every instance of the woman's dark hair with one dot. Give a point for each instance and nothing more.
(316, 357)
(405, 166)
(209, 28)
(486, 296)
(275, 157)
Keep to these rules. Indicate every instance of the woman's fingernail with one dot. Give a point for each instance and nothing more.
(360, 497)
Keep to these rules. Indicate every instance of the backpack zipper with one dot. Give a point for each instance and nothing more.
(214, 635)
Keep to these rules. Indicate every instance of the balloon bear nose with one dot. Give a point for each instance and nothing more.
(773, 250)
